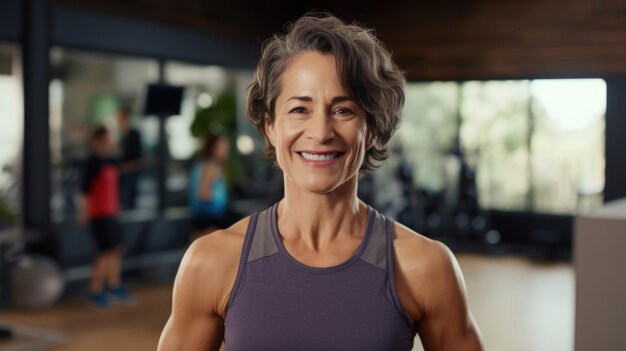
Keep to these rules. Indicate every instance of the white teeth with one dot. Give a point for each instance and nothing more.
(318, 157)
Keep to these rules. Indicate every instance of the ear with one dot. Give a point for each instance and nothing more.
(269, 130)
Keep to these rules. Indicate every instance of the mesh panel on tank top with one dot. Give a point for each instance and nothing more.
(278, 303)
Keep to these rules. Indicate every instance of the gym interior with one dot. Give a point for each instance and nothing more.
(511, 151)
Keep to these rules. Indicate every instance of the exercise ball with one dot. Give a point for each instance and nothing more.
(35, 282)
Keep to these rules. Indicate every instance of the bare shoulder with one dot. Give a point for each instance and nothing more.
(219, 245)
(432, 290)
(427, 270)
(416, 252)
(215, 257)
(201, 289)
(217, 248)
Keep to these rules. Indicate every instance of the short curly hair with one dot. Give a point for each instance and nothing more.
(365, 69)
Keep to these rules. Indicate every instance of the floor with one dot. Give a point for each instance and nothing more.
(126, 327)
(518, 305)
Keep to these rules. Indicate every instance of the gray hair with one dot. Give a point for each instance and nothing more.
(365, 68)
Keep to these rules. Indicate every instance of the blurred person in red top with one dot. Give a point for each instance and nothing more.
(99, 206)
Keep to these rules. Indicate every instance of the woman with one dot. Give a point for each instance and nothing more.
(320, 269)
(207, 191)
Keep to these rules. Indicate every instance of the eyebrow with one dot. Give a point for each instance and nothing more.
(335, 100)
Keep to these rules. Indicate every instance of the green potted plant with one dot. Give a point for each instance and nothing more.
(221, 118)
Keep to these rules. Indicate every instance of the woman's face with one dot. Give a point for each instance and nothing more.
(319, 131)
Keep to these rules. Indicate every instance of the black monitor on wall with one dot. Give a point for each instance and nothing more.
(163, 100)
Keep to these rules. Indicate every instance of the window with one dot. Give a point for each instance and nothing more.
(494, 139)
(429, 128)
(536, 145)
(214, 98)
(11, 119)
(89, 89)
(568, 144)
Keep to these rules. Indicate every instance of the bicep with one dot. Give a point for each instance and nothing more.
(192, 334)
(447, 323)
(194, 323)
(204, 333)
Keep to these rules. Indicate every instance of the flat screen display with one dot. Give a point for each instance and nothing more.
(163, 100)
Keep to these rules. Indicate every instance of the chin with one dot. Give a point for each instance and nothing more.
(319, 187)
(322, 184)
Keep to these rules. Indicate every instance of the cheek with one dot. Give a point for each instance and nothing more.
(283, 136)
(286, 133)
(357, 136)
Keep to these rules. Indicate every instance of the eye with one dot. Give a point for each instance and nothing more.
(344, 111)
(298, 109)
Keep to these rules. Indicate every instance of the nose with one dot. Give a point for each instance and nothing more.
(320, 127)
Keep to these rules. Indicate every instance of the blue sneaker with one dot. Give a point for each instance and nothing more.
(122, 295)
(100, 301)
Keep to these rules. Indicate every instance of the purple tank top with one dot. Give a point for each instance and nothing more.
(278, 303)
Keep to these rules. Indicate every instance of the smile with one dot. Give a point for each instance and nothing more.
(320, 156)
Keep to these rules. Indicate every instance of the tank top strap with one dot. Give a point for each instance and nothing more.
(263, 244)
(376, 251)
(391, 281)
(380, 253)
(258, 243)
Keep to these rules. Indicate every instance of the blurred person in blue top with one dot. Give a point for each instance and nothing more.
(208, 193)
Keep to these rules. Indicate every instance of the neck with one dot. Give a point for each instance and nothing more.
(319, 219)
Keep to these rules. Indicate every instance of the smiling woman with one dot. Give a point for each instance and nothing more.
(318, 132)
(321, 269)
(377, 91)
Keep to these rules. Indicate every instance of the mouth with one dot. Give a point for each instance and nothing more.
(319, 156)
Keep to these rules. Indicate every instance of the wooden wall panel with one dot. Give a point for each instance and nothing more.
(454, 39)
(509, 39)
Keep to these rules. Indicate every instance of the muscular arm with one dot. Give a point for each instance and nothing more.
(432, 291)
(199, 297)
(447, 323)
